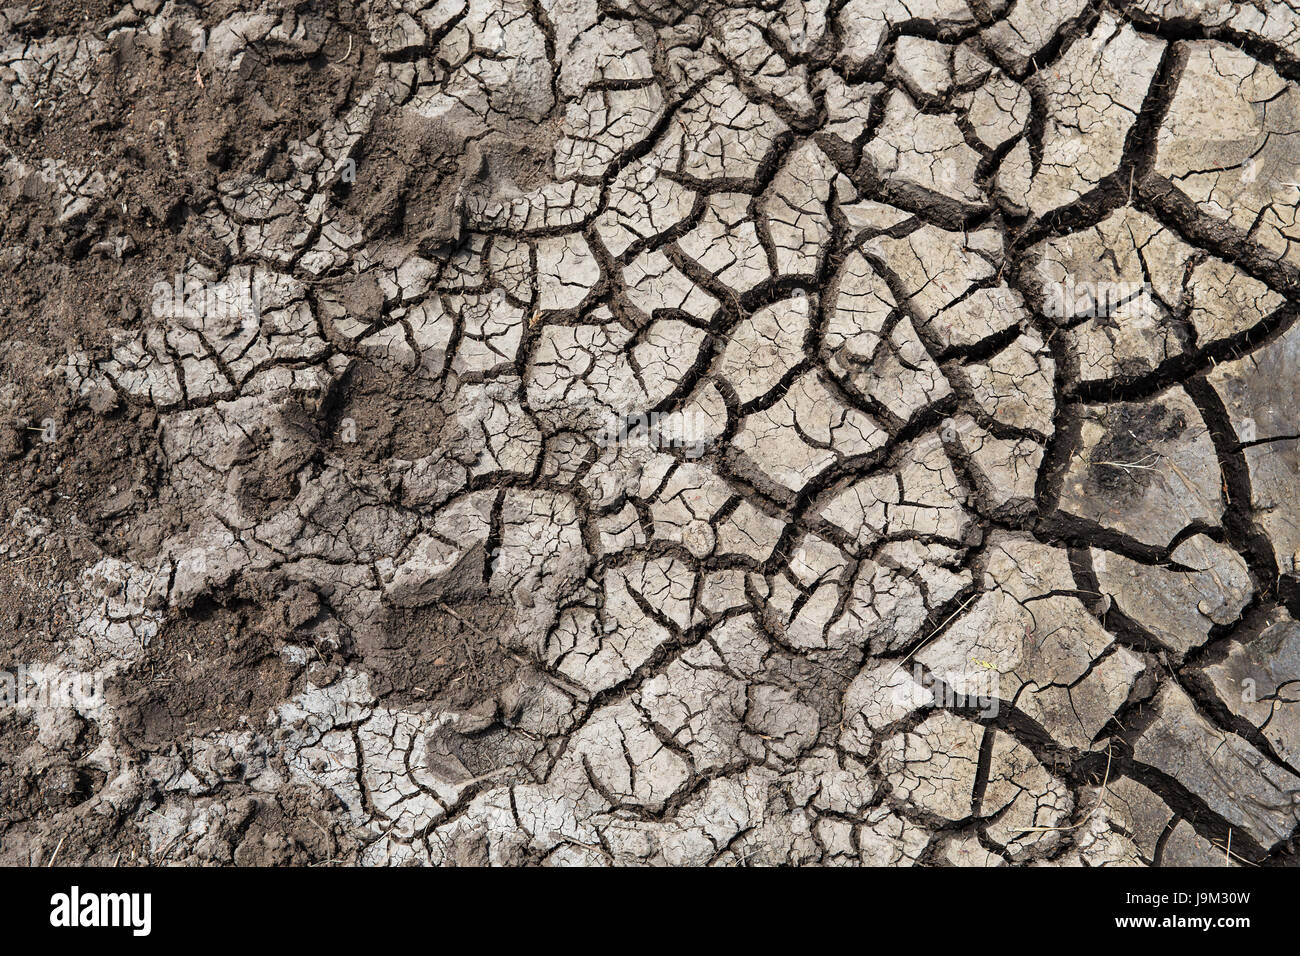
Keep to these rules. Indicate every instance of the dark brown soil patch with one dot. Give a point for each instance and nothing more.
(376, 415)
(448, 655)
(206, 670)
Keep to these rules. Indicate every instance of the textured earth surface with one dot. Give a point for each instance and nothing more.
(630, 431)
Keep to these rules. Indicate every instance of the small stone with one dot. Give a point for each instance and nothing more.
(699, 539)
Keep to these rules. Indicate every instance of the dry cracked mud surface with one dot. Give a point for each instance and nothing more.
(640, 432)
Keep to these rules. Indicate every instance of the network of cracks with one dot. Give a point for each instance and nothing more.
(795, 432)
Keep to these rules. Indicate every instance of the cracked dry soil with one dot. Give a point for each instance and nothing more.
(632, 431)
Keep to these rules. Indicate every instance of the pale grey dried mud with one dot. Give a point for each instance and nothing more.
(632, 431)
